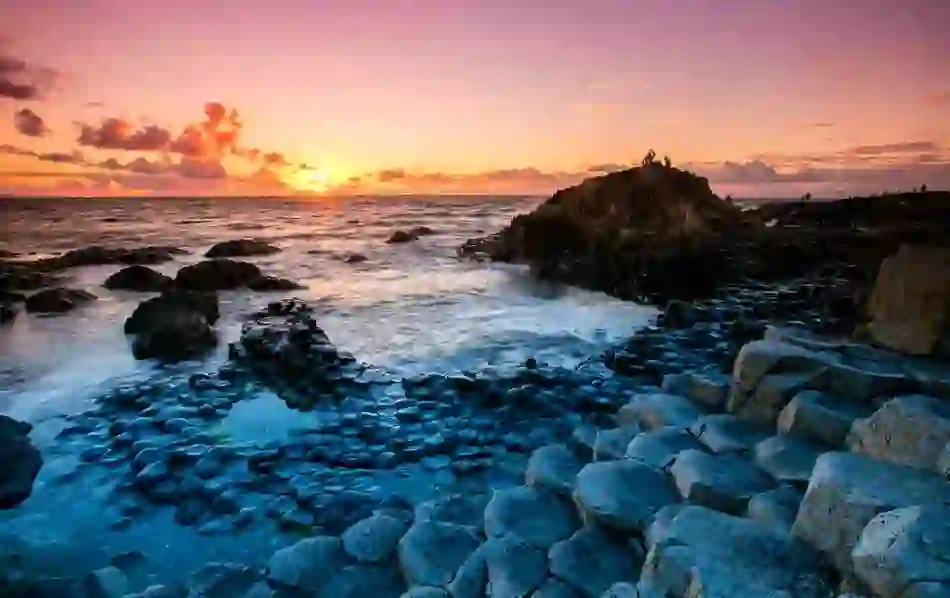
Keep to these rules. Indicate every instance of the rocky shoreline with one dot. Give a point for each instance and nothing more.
(747, 445)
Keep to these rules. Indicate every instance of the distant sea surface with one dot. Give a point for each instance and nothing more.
(409, 308)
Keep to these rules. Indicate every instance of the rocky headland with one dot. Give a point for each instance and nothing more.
(782, 430)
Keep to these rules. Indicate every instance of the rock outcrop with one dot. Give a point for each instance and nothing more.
(21, 462)
(218, 274)
(58, 300)
(138, 278)
(241, 248)
(175, 326)
(910, 304)
(284, 345)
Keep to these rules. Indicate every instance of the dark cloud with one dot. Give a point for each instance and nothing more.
(12, 150)
(119, 134)
(275, 159)
(62, 157)
(904, 147)
(200, 168)
(29, 123)
(22, 81)
(390, 175)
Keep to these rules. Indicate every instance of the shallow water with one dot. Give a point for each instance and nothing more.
(408, 309)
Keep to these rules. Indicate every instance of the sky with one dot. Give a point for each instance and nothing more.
(766, 98)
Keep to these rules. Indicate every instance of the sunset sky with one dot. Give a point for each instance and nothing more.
(238, 97)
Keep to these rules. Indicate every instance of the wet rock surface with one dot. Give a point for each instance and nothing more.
(241, 248)
(174, 326)
(57, 300)
(21, 462)
(138, 278)
(331, 479)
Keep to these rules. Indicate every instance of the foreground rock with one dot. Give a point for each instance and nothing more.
(846, 491)
(273, 283)
(217, 275)
(624, 495)
(8, 313)
(592, 561)
(910, 304)
(241, 248)
(703, 553)
(407, 236)
(431, 552)
(308, 565)
(175, 326)
(20, 461)
(904, 553)
(141, 279)
(909, 430)
(284, 344)
(537, 517)
(58, 300)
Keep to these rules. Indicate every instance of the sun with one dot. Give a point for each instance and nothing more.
(312, 179)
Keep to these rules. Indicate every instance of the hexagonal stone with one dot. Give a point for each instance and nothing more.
(591, 561)
(721, 482)
(611, 444)
(623, 494)
(706, 553)
(374, 539)
(659, 448)
(846, 491)
(426, 592)
(471, 580)
(909, 430)
(899, 551)
(724, 433)
(813, 415)
(787, 459)
(307, 565)
(658, 410)
(553, 467)
(537, 517)
(554, 588)
(776, 508)
(361, 580)
(431, 552)
(514, 568)
(709, 390)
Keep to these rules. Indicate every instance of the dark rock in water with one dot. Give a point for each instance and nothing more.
(151, 312)
(138, 278)
(96, 255)
(58, 300)
(8, 313)
(355, 258)
(272, 283)
(284, 344)
(174, 326)
(407, 236)
(241, 248)
(23, 277)
(217, 274)
(21, 462)
(4, 254)
(11, 297)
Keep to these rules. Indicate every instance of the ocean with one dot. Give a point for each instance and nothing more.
(408, 309)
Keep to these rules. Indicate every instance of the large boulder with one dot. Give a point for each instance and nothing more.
(722, 482)
(553, 468)
(903, 553)
(241, 248)
(823, 418)
(767, 375)
(624, 495)
(659, 448)
(514, 567)
(701, 553)
(537, 517)
(308, 565)
(21, 462)
(175, 326)
(58, 300)
(285, 346)
(217, 275)
(846, 491)
(374, 540)
(908, 430)
(658, 410)
(431, 552)
(138, 278)
(910, 304)
(592, 560)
